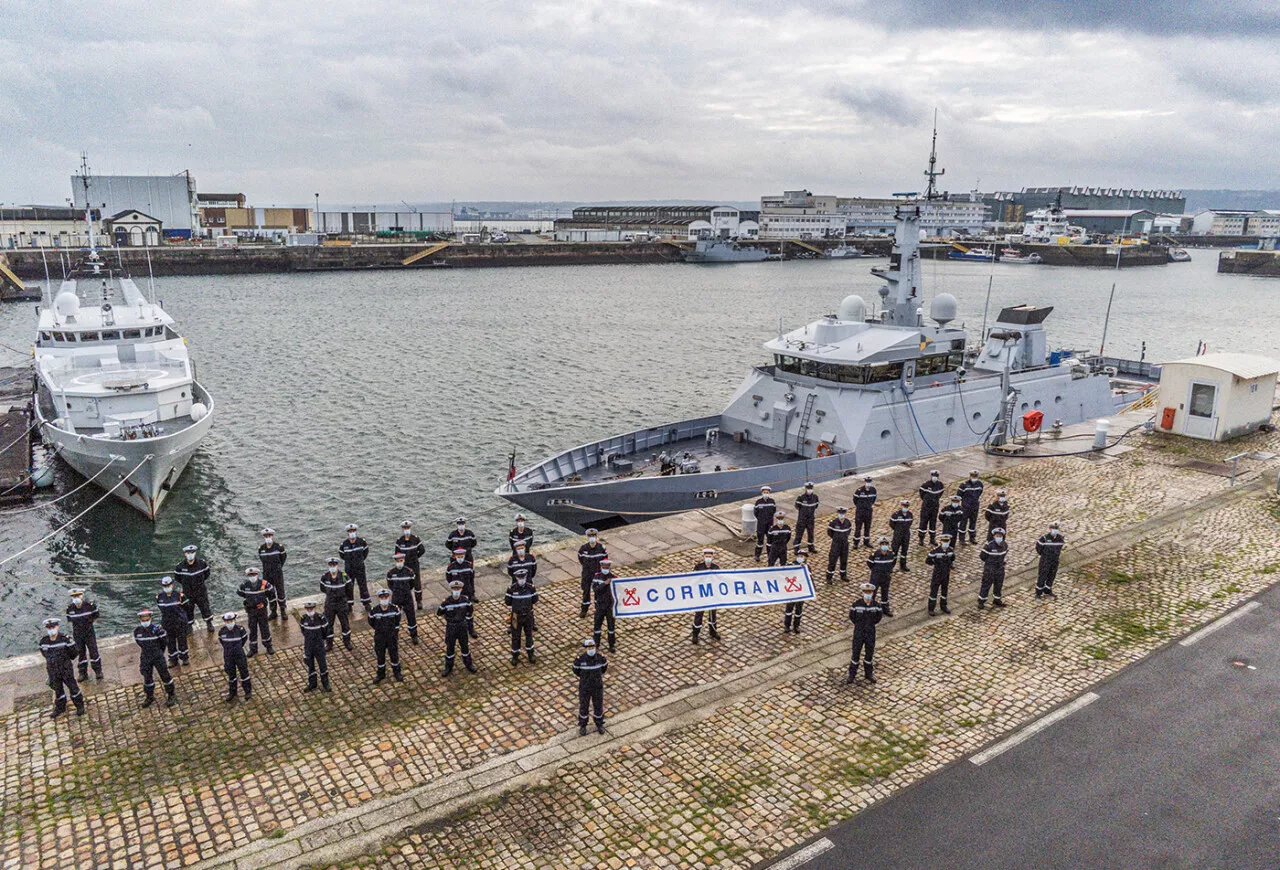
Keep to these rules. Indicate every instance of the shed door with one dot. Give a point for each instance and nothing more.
(1202, 410)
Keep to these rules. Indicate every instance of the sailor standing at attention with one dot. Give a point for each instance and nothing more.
(384, 619)
(462, 537)
(401, 579)
(413, 548)
(520, 598)
(522, 560)
(881, 564)
(257, 594)
(150, 639)
(590, 555)
(235, 664)
(354, 550)
(794, 609)
(336, 587)
(864, 500)
(273, 557)
(193, 574)
(521, 534)
(806, 514)
(838, 531)
(173, 616)
(59, 655)
(865, 614)
(930, 499)
(997, 514)
(950, 518)
(590, 668)
(993, 556)
(900, 521)
(707, 564)
(464, 572)
(82, 615)
(1050, 549)
(779, 537)
(602, 587)
(970, 501)
(764, 509)
(456, 610)
(940, 558)
(315, 631)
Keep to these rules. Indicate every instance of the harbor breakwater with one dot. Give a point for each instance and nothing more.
(1261, 263)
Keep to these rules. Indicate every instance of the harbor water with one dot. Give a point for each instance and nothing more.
(377, 396)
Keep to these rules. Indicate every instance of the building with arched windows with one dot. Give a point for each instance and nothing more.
(133, 229)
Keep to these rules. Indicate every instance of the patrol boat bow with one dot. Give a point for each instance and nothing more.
(845, 393)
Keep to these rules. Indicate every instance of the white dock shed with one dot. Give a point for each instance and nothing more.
(1217, 396)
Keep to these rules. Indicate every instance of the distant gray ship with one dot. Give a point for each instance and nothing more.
(726, 251)
(845, 393)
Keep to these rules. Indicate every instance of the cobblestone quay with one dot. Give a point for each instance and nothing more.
(720, 754)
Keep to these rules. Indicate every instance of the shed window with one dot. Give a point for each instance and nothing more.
(1201, 404)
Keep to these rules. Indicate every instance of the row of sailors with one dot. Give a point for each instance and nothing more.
(168, 639)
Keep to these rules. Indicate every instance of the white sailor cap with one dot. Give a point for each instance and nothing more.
(398, 556)
(455, 584)
(842, 510)
(606, 563)
(460, 520)
(519, 517)
(79, 592)
(779, 514)
(51, 623)
(308, 605)
(230, 616)
(707, 551)
(1002, 492)
(459, 551)
(407, 524)
(521, 545)
(867, 479)
(144, 613)
(332, 560)
(905, 502)
(944, 537)
(268, 531)
(351, 527)
(973, 472)
(592, 532)
(884, 539)
(766, 489)
(384, 593)
(166, 581)
(190, 548)
(520, 572)
(995, 532)
(1052, 525)
(589, 642)
(251, 572)
(802, 551)
(868, 587)
(809, 485)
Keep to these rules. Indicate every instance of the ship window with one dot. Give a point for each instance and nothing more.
(111, 335)
(59, 336)
(879, 374)
(45, 336)
(88, 336)
(133, 333)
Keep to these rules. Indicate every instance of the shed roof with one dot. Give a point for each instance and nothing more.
(1105, 212)
(1242, 365)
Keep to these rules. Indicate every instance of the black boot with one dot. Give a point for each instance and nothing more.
(270, 650)
(796, 627)
(324, 685)
(151, 699)
(382, 675)
(582, 730)
(468, 664)
(448, 668)
(529, 653)
(61, 707)
(396, 675)
(231, 695)
(944, 607)
(97, 674)
(1049, 593)
(582, 614)
(599, 727)
(83, 674)
(853, 674)
(346, 641)
(786, 624)
(79, 702)
(328, 645)
(715, 635)
(413, 637)
(311, 685)
(515, 658)
(830, 575)
(998, 602)
(170, 696)
(695, 635)
(612, 640)
(982, 605)
(866, 670)
(208, 625)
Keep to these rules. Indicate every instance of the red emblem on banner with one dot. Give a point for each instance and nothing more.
(630, 598)
(793, 584)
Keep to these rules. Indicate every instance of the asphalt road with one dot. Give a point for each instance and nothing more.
(1175, 764)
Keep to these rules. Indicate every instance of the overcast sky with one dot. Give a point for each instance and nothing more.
(646, 100)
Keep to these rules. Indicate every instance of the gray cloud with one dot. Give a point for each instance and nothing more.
(878, 104)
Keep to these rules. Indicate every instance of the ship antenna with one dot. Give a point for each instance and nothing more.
(933, 173)
(88, 219)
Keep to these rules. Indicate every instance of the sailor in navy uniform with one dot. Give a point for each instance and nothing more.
(59, 653)
(456, 610)
(235, 663)
(151, 640)
(590, 668)
(316, 631)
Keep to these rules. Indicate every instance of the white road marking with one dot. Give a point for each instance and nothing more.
(804, 856)
(1214, 626)
(1034, 728)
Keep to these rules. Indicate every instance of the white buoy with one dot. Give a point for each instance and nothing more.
(1100, 432)
(42, 476)
(198, 411)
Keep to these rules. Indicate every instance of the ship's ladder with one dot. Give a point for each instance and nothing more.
(959, 247)
(7, 276)
(803, 430)
(813, 248)
(424, 253)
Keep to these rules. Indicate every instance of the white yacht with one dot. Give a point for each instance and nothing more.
(116, 392)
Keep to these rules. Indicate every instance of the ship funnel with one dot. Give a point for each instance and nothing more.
(853, 309)
(943, 309)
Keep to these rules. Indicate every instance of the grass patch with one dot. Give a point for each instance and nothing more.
(1097, 651)
(1271, 569)
(997, 480)
(1121, 578)
(1232, 588)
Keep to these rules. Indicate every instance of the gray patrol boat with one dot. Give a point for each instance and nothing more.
(844, 394)
(713, 250)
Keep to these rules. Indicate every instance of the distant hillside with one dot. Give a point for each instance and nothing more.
(1198, 200)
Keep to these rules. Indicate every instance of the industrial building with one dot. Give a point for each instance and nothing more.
(612, 222)
(1112, 221)
(43, 226)
(1012, 207)
(374, 222)
(170, 199)
(799, 214)
(1265, 222)
(1222, 222)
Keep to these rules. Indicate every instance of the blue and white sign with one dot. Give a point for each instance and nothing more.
(706, 590)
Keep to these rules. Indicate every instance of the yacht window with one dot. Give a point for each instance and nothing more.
(88, 336)
(133, 333)
(110, 335)
(46, 336)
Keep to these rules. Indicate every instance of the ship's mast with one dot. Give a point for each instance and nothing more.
(933, 173)
(88, 212)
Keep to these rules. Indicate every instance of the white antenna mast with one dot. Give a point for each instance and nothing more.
(88, 206)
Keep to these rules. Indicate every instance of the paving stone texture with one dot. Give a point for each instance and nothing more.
(125, 787)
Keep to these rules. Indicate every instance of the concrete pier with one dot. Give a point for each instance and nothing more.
(722, 754)
(1264, 264)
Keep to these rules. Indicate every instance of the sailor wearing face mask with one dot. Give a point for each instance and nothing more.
(590, 668)
(838, 531)
(590, 555)
(1050, 549)
(336, 587)
(764, 510)
(461, 569)
(316, 631)
(970, 493)
(864, 501)
(82, 615)
(779, 537)
(462, 537)
(173, 618)
(401, 579)
(384, 619)
(521, 534)
(193, 573)
(900, 521)
(997, 514)
(413, 548)
(522, 560)
(881, 564)
(59, 653)
(794, 609)
(806, 513)
(993, 558)
(257, 594)
(940, 558)
(707, 564)
(235, 663)
(354, 550)
(950, 518)
(520, 598)
(930, 499)
(456, 610)
(151, 639)
(273, 557)
(865, 614)
(602, 587)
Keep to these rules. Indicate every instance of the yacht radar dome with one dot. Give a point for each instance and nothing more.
(943, 309)
(67, 303)
(853, 309)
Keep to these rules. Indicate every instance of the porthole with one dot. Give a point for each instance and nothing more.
(1036, 404)
(885, 434)
(951, 421)
(977, 415)
(1057, 400)
(1025, 406)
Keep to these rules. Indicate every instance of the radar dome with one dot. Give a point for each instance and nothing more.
(943, 309)
(853, 309)
(66, 303)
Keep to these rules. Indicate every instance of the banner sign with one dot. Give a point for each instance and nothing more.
(708, 590)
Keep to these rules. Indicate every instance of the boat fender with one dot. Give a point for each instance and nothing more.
(198, 411)
(824, 449)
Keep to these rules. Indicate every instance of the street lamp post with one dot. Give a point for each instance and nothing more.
(317, 212)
